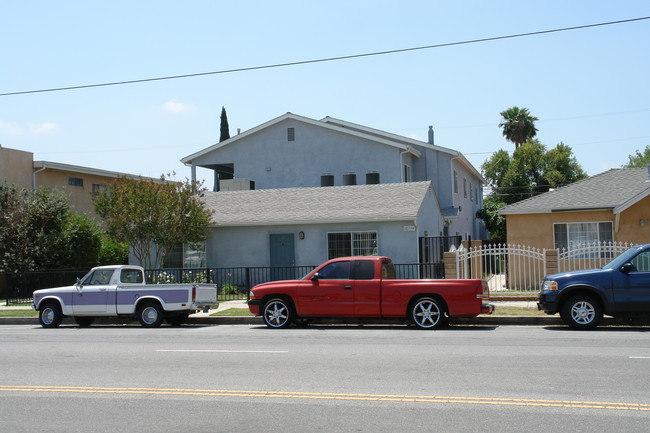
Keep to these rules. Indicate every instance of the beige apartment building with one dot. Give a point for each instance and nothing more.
(80, 183)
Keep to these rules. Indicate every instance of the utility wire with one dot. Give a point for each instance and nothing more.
(328, 59)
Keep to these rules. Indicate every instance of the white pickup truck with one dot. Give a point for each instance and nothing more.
(121, 291)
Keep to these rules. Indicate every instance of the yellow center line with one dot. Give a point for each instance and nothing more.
(332, 396)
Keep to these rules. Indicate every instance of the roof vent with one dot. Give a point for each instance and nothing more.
(648, 178)
(430, 134)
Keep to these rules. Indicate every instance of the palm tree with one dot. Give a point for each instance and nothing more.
(518, 125)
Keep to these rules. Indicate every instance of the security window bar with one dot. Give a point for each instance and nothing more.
(345, 244)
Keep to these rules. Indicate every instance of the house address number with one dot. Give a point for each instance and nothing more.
(409, 228)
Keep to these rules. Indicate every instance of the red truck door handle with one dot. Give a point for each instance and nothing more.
(347, 287)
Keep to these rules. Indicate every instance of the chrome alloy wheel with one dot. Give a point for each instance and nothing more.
(278, 313)
(426, 313)
(583, 312)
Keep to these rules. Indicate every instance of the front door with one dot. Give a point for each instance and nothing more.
(331, 294)
(283, 257)
(91, 296)
(632, 290)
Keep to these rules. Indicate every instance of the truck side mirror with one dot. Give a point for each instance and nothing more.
(78, 285)
(627, 268)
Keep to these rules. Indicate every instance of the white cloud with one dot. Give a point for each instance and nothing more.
(13, 128)
(44, 127)
(176, 107)
(10, 128)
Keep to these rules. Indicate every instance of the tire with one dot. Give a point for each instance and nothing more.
(151, 315)
(178, 319)
(50, 315)
(278, 313)
(427, 313)
(84, 321)
(582, 312)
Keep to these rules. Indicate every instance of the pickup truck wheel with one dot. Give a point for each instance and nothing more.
(427, 313)
(50, 315)
(278, 313)
(84, 321)
(581, 312)
(150, 315)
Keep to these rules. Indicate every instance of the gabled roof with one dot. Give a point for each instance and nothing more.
(616, 189)
(405, 141)
(338, 204)
(330, 126)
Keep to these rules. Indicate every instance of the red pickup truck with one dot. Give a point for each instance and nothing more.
(365, 287)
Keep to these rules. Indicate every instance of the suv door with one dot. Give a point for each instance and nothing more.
(632, 289)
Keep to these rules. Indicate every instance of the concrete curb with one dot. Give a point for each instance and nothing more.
(257, 321)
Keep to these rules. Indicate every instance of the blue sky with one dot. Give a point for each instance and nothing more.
(589, 88)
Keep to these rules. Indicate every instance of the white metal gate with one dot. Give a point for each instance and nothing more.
(506, 267)
(589, 255)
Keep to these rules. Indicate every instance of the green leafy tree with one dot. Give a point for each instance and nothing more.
(518, 125)
(639, 159)
(153, 217)
(113, 252)
(225, 130)
(531, 170)
(39, 231)
(494, 222)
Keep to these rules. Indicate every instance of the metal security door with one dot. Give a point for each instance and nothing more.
(283, 257)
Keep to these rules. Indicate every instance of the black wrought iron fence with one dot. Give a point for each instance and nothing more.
(232, 283)
(21, 285)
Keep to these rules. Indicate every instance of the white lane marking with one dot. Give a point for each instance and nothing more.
(639, 357)
(221, 351)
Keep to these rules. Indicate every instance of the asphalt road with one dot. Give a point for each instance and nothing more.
(324, 379)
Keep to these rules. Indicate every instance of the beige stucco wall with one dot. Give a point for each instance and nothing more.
(16, 167)
(537, 229)
(80, 198)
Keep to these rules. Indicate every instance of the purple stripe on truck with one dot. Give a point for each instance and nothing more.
(130, 295)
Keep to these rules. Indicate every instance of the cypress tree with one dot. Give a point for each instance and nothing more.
(225, 130)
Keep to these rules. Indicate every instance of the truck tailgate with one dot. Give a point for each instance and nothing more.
(205, 294)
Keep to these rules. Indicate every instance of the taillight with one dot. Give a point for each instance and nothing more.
(193, 293)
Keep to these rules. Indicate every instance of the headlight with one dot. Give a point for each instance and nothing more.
(251, 295)
(549, 285)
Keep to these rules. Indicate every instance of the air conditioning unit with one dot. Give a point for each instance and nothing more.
(236, 185)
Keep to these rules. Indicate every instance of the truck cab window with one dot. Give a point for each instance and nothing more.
(132, 276)
(364, 270)
(387, 271)
(335, 271)
(98, 278)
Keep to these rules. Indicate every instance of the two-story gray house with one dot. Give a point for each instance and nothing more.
(295, 190)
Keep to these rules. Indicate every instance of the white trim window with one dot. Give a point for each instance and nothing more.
(571, 235)
(186, 256)
(345, 244)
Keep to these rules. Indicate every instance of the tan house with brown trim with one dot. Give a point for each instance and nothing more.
(610, 206)
(80, 183)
